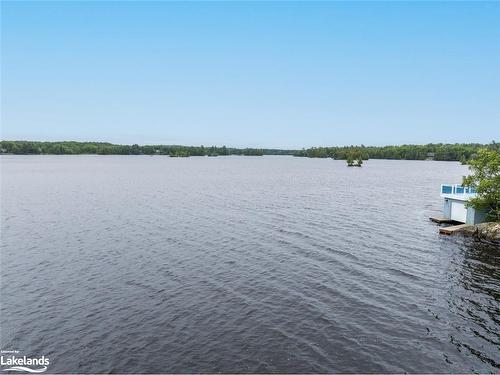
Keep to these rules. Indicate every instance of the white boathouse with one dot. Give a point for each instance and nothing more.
(455, 197)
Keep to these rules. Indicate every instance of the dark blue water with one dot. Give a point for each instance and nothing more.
(241, 264)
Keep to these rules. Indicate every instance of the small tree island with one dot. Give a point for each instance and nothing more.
(350, 161)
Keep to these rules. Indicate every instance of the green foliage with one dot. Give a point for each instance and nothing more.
(407, 152)
(485, 177)
(252, 152)
(103, 148)
(434, 151)
(182, 153)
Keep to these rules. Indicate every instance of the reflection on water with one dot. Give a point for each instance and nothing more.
(241, 264)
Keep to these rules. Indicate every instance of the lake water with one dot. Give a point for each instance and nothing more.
(241, 264)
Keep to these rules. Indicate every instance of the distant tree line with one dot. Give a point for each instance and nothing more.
(103, 148)
(435, 151)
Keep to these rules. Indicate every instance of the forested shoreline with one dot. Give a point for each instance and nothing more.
(104, 148)
(435, 151)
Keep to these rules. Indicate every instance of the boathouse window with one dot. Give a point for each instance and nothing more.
(446, 189)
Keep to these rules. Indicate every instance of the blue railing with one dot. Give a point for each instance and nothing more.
(457, 189)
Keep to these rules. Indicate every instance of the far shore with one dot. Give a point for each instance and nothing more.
(462, 152)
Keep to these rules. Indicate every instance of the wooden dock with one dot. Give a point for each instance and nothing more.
(453, 229)
(441, 220)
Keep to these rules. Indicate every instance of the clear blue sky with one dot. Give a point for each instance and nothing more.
(281, 74)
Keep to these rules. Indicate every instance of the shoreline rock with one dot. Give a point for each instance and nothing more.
(484, 232)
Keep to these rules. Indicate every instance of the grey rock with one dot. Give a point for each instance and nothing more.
(486, 232)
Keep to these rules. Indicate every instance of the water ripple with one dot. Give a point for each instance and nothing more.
(241, 264)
